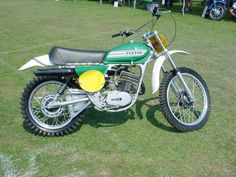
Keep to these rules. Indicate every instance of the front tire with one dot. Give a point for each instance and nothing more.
(217, 12)
(180, 112)
(40, 120)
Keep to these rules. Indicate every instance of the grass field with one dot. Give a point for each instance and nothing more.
(137, 142)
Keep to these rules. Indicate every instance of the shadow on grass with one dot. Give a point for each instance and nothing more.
(150, 114)
(98, 119)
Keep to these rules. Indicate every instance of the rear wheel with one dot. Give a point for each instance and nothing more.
(181, 112)
(41, 119)
(217, 12)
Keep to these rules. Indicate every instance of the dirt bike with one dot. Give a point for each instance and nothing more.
(54, 101)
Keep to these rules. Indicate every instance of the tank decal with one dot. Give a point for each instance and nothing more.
(127, 53)
(131, 52)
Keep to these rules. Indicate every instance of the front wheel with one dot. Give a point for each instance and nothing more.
(180, 111)
(217, 12)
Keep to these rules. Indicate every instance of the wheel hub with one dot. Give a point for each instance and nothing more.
(184, 100)
(50, 112)
(216, 12)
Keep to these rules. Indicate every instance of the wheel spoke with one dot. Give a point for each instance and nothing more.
(176, 108)
(193, 89)
(37, 111)
(196, 112)
(44, 119)
(185, 111)
(37, 100)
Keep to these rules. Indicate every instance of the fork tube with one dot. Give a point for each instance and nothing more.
(163, 69)
(174, 87)
(166, 53)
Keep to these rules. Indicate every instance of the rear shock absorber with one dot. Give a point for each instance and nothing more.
(61, 89)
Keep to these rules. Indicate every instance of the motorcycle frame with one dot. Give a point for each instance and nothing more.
(143, 69)
(154, 56)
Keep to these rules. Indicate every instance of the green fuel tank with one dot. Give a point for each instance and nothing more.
(128, 53)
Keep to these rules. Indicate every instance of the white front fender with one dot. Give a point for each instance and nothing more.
(157, 69)
(37, 61)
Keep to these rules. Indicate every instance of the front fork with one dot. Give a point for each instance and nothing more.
(180, 77)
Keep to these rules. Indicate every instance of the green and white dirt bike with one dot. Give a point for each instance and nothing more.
(74, 80)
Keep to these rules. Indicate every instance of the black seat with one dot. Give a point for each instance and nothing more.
(65, 56)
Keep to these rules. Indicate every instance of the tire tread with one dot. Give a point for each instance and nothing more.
(164, 105)
(32, 126)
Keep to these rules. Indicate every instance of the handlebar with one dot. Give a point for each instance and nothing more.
(155, 13)
(122, 33)
(117, 34)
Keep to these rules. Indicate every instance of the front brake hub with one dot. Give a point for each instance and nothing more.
(185, 101)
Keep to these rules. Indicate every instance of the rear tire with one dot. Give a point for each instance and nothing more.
(38, 127)
(181, 113)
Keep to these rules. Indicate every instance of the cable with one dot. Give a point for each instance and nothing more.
(175, 30)
(168, 11)
(153, 21)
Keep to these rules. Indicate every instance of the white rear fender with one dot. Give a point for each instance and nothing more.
(42, 61)
(157, 69)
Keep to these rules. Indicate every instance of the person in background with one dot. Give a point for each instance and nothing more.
(168, 3)
(233, 10)
(188, 6)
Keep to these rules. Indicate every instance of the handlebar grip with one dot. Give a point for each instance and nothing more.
(116, 35)
(127, 34)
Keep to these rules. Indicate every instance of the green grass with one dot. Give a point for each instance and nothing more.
(137, 142)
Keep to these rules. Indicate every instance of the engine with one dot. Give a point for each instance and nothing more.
(119, 91)
(119, 99)
(128, 82)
